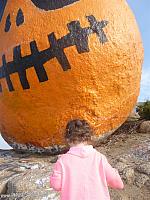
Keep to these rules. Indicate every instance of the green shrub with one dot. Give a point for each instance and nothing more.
(144, 110)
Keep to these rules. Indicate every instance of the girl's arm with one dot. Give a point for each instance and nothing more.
(56, 177)
(112, 176)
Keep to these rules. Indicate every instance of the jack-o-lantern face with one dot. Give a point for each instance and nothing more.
(62, 60)
(45, 5)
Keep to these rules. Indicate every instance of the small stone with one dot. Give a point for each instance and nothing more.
(128, 175)
(145, 127)
(3, 186)
(123, 160)
(121, 166)
(22, 168)
(141, 179)
(147, 184)
(144, 168)
(35, 166)
(54, 159)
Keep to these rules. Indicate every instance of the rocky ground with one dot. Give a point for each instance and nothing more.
(26, 176)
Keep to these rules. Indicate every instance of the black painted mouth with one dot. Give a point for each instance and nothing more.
(52, 4)
(2, 8)
(77, 36)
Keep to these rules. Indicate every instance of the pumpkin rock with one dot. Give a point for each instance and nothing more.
(62, 60)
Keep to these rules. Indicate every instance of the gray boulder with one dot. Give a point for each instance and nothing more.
(145, 127)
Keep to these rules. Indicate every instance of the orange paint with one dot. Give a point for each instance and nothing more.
(102, 85)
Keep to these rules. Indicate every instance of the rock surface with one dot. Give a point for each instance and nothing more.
(26, 176)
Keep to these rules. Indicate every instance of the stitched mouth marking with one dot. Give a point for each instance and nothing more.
(77, 36)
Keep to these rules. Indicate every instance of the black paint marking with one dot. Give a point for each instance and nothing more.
(77, 37)
(57, 51)
(6, 73)
(38, 63)
(19, 18)
(0, 88)
(20, 68)
(52, 4)
(97, 28)
(2, 8)
(8, 23)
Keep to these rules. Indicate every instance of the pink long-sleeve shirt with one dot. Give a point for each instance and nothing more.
(84, 174)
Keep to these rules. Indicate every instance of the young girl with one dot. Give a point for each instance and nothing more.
(83, 173)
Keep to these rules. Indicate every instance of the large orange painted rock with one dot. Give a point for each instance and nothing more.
(62, 60)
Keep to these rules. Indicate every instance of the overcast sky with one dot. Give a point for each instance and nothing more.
(141, 9)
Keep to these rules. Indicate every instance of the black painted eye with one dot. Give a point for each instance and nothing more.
(2, 8)
(52, 4)
(8, 23)
(19, 18)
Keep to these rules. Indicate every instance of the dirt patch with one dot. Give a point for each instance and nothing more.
(128, 150)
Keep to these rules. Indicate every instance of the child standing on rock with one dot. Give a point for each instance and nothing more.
(83, 173)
